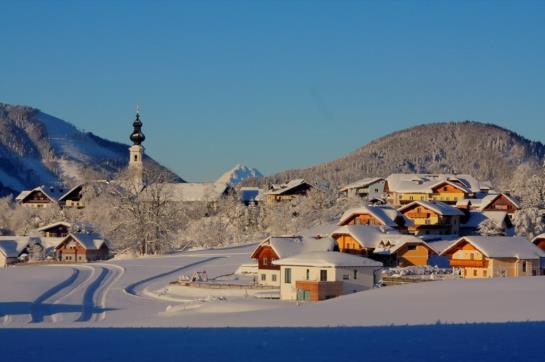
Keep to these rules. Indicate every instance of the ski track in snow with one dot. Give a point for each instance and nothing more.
(94, 287)
(39, 309)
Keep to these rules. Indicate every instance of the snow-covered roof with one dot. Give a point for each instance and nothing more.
(319, 231)
(500, 247)
(477, 217)
(190, 192)
(424, 183)
(13, 246)
(372, 237)
(52, 225)
(90, 241)
(439, 245)
(487, 200)
(286, 246)
(52, 193)
(328, 259)
(386, 215)
(62, 197)
(283, 188)
(367, 235)
(439, 207)
(365, 182)
(22, 195)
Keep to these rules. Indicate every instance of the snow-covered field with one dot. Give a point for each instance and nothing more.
(135, 292)
(391, 322)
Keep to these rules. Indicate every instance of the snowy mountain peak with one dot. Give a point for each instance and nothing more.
(238, 174)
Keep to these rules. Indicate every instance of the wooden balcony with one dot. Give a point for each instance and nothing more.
(482, 263)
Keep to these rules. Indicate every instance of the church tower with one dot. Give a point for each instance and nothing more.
(136, 151)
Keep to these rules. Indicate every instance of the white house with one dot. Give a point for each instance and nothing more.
(278, 247)
(320, 275)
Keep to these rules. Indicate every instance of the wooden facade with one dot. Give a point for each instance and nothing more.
(447, 193)
(265, 255)
(56, 231)
(38, 199)
(291, 194)
(502, 203)
(347, 244)
(429, 222)
(363, 219)
(73, 198)
(73, 251)
(313, 291)
(408, 255)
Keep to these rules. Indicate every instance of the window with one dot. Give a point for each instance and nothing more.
(287, 275)
(485, 274)
(346, 276)
(263, 277)
(265, 261)
(355, 274)
(471, 256)
(135, 157)
(411, 247)
(323, 275)
(524, 267)
(308, 274)
(474, 272)
(273, 277)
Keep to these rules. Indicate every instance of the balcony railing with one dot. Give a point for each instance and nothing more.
(480, 263)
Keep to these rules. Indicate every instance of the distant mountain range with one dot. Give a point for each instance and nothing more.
(487, 151)
(39, 149)
(238, 174)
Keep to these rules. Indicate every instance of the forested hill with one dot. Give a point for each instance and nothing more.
(39, 149)
(486, 151)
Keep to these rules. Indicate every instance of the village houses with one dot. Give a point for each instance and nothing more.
(495, 256)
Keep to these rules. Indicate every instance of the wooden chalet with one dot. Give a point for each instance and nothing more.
(495, 256)
(375, 215)
(40, 197)
(495, 202)
(390, 248)
(73, 198)
(432, 218)
(288, 191)
(82, 248)
(59, 229)
(403, 189)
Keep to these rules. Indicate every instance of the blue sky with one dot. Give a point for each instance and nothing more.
(273, 84)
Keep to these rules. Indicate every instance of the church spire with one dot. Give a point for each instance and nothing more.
(136, 152)
(137, 137)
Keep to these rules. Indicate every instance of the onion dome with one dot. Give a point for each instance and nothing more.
(137, 137)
